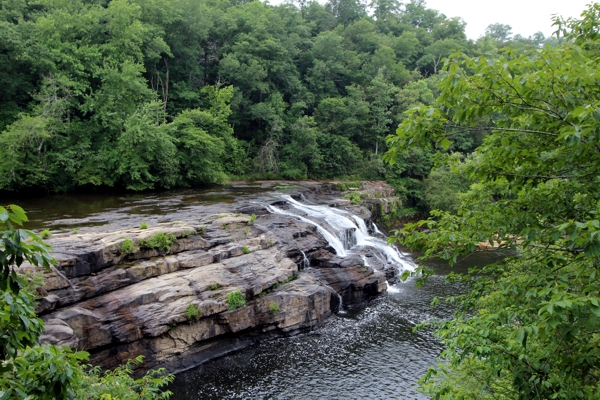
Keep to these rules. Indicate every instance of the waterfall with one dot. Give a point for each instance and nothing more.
(377, 231)
(341, 306)
(305, 261)
(331, 239)
(367, 264)
(345, 232)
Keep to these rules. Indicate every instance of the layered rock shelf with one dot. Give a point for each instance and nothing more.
(119, 293)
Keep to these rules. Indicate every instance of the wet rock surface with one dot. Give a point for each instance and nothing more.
(117, 294)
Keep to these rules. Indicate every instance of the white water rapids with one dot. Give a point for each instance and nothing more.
(346, 233)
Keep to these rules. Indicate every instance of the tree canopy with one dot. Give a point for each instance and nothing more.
(528, 326)
(143, 94)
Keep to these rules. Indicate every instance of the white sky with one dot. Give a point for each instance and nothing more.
(525, 16)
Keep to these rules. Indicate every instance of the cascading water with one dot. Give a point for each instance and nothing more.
(331, 239)
(305, 261)
(377, 231)
(346, 233)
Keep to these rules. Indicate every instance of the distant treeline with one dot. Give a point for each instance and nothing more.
(144, 94)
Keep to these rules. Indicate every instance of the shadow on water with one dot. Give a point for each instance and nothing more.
(370, 352)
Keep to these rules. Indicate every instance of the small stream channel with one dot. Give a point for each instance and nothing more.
(363, 352)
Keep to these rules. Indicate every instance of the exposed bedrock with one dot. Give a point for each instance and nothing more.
(118, 294)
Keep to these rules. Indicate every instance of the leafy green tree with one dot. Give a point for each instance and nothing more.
(418, 15)
(407, 175)
(444, 185)
(347, 11)
(79, 74)
(381, 97)
(340, 158)
(451, 28)
(395, 71)
(333, 66)
(344, 116)
(385, 9)
(17, 80)
(318, 18)
(407, 47)
(146, 152)
(302, 156)
(528, 326)
(499, 32)
(206, 148)
(361, 37)
(431, 62)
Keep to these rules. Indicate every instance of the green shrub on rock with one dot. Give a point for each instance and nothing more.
(274, 308)
(193, 312)
(236, 299)
(128, 246)
(160, 241)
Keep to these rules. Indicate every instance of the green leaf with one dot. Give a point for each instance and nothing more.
(19, 212)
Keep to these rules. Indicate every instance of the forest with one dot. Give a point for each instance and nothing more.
(154, 94)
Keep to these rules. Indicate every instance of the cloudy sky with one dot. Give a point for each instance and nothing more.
(525, 16)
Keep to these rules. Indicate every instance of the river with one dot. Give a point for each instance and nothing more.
(369, 351)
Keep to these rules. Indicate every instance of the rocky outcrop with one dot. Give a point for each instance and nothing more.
(163, 291)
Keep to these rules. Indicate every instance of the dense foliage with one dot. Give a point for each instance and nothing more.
(144, 94)
(528, 327)
(29, 370)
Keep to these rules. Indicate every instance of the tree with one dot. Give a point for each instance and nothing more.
(346, 11)
(499, 32)
(434, 54)
(445, 184)
(381, 96)
(384, 9)
(528, 326)
(206, 148)
(302, 156)
(146, 152)
(79, 74)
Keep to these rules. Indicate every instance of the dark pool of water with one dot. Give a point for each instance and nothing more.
(85, 210)
(366, 353)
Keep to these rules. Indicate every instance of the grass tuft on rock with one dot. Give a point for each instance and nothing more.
(236, 299)
(160, 241)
